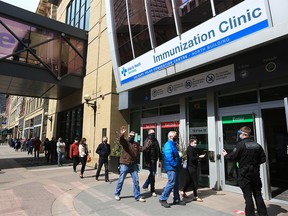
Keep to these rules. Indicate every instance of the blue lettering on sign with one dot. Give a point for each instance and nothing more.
(210, 46)
(234, 22)
(6, 40)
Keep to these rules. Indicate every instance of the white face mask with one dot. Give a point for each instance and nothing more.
(76, 141)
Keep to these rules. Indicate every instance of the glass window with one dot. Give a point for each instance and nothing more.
(271, 94)
(150, 113)
(77, 9)
(193, 13)
(223, 5)
(238, 99)
(163, 20)
(169, 110)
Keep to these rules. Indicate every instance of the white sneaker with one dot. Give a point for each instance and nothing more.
(154, 194)
(141, 199)
(117, 198)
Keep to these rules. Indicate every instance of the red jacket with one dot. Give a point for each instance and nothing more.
(74, 150)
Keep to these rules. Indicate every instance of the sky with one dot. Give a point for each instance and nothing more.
(30, 5)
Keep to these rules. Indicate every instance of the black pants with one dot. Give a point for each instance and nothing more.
(254, 188)
(101, 162)
(83, 161)
(192, 179)
(76, 161)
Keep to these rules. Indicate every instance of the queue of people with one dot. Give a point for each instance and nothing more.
(247, 153)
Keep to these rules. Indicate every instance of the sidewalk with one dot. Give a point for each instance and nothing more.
(58, 191)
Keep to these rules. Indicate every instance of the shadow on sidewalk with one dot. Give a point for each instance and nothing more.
(27, 162)
(273, 209)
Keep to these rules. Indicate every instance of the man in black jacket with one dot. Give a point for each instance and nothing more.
(104, 151)
(151, 156)
(249, 156)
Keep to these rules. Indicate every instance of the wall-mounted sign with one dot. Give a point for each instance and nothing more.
(149, 126)
(172, 124)
(237, 119)
(239, 21)
(198, 130)
(204, 80)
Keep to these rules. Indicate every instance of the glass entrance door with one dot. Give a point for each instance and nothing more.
(276, 139)
(229, 125)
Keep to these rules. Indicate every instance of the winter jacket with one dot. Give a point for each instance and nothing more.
(129, 151)
(171, 156)
(74, 150)
(103, 150)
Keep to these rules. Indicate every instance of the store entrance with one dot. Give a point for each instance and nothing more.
(276, 138)
(230, 123)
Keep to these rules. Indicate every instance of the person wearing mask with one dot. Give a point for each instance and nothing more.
(103, 150)
(151, 156)
(60, 150)
(192, 167)
(83, 153)
(249, 155)
(172, 164)
(128, 164)
(74, 153)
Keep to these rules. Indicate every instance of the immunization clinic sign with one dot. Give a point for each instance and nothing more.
(244, 19)
(204, 80)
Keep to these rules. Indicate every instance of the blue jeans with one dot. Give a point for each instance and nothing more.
(151, 177)
(172, 184)
(132, 169)
(60, 156)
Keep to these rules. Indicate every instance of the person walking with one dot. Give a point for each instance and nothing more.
(60, 150)
(151, 156)
(47, 149)
(37, 145)
(83, 153)
(192, 168)
(172, 164)
(53, 150)
(103, 150)
(74, 153)
(128, 164)
(249, 155)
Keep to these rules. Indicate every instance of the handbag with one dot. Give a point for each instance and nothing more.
(89, 158)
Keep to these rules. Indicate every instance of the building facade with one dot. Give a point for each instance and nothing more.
(205, 69)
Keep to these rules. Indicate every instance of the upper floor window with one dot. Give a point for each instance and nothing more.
(78, 14)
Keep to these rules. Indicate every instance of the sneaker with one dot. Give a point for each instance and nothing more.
(145, 189)
(164, 203)
(75, 171)
(97, 179)
(184, 195)
(197, 199)
(117, 198)
(141, 199)
(154, 194)
(178, 202)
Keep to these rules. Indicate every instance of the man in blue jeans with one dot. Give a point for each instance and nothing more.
(172, 164)
(128, 164)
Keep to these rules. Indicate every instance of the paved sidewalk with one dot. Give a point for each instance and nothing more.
(29, 187)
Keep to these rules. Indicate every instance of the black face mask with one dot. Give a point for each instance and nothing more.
(175, 139)
(131, 139)
(152, 135)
